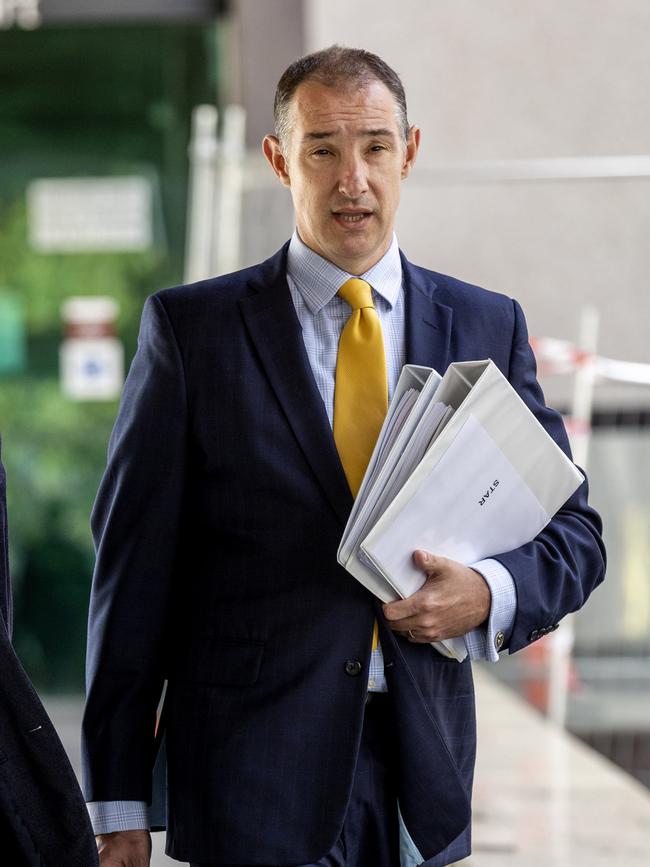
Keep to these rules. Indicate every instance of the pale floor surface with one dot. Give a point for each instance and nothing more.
(540, 798)
(543, 798)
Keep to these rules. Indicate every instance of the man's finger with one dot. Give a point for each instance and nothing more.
(431, 564)
(401, 609)
(412, 605)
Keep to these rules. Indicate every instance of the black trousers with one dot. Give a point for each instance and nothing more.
(370, 835)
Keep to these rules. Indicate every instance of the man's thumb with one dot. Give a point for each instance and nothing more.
(425, 561)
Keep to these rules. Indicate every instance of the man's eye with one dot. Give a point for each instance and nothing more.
(321, 152)
(377, 148)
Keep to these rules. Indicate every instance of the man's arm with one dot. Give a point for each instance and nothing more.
(552, 575)
(135, 524)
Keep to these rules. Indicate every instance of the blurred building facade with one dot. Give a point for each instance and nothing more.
(97, 93)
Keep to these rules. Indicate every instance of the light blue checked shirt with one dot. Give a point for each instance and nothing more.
(313, 283)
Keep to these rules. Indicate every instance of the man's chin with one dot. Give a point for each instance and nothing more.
(358, 253)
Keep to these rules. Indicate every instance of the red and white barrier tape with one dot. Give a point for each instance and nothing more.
(561, 357)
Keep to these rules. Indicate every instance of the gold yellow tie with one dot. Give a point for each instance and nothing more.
(361, 389)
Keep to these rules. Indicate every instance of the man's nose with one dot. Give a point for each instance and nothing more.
(353, 181)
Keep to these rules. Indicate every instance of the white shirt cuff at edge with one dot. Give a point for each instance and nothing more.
(483, 642)
(109, 816)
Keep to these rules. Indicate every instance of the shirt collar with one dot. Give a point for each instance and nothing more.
(318, 280)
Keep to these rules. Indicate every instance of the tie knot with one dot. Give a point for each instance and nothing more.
(357, 293)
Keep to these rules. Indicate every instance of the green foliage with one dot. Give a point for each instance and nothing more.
(44, 281)
(54, 448)
(92, 101)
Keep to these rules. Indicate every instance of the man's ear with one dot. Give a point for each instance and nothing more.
(276, 159)
(411, 150)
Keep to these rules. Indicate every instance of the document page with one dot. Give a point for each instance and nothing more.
(473, 504)
(397, 465)
(394, 425)
(429, 427)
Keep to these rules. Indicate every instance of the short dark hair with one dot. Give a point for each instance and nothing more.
(336, 66)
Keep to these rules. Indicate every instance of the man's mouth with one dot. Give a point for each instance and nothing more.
(351, 217)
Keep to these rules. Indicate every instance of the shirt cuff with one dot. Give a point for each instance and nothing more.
(485, 642)
(109, 816)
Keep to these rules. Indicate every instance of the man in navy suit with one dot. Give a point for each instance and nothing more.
(291, 738)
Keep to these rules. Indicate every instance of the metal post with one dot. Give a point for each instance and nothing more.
(583, 385)
(203, 151)
(228, 204)
(561, 642)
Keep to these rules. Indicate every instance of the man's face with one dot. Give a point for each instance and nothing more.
(344, 162)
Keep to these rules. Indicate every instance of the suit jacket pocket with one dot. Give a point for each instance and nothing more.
(222, 661)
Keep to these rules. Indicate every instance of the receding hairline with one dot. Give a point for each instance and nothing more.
(344, 86)
(338, 68)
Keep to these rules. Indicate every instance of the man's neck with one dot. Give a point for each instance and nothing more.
(349, 267)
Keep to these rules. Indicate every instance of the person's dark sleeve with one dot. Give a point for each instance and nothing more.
(135, 524)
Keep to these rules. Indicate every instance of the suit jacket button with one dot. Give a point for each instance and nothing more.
(353, 667)
(499, 638)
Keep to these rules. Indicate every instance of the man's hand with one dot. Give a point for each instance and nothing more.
(124, 849)
(453, 600)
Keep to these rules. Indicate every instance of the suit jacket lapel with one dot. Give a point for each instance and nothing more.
(428, 323)
(273, 325)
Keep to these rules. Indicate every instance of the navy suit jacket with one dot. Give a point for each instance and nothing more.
(43, 819)
(217, 525)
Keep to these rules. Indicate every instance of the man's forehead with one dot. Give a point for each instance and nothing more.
(318, 105)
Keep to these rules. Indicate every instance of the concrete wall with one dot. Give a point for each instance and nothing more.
(269, 35)
(519, 79)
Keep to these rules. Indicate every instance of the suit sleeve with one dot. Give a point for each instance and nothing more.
(555, 573)
(135, 524)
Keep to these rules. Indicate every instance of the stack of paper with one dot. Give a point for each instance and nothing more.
(461, 468)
